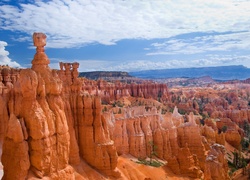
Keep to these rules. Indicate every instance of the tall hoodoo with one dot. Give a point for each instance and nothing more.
(42, 114)
(40, 57)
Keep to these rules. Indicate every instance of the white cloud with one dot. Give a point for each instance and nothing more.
(4, 59)
(74, 23)
(220, 60)
(85, 65)
(212, 60)
(206, 43)
(138, 65)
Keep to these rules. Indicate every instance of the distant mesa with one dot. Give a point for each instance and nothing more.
(111, 76)
(102, 74)
(219, 73)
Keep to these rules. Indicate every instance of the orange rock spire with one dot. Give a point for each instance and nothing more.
(40, 57)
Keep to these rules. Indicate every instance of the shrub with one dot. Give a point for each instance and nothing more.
(104, 109)
(224, 129)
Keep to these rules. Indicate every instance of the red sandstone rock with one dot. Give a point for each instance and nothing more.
(220, 138)
(216, 164)
(15, 157)
(44, 123)
(138, 131)
(233, 138)
(190, 134)
(188, 163)
(209, 133)
(95, 144)
(113, 91)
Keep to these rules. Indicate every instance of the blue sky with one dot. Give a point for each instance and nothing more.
(127, 35)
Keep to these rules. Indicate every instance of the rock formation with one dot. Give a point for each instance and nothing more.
(43, 126)
(15, 157)
(216, 166)
(89, 136)
(182, 146)
(113, 91)
(52, 121)
(47, 124)
(95, 145)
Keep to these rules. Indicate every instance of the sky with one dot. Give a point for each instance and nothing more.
(127, 35)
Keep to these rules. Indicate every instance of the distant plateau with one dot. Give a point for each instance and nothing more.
(219, 73)
(236, 72)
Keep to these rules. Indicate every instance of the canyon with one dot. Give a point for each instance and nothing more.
(57, 125)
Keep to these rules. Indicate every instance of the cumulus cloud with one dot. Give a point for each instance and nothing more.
(4, 59)
(75, 23)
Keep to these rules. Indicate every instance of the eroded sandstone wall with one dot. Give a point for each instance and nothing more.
(183, 146)
(113, 91)
(47, 124)
(89, 136)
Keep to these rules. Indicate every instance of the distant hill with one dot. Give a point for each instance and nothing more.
(199, 81)
(104, 74)
(219, 73)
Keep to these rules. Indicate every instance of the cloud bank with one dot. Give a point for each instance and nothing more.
(201, 44)
(4, 59)
(185, 33)
(76, 23)
(138, 65)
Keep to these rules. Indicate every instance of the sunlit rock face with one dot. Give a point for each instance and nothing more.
(43, 116)
(216, 165)
(113, 91)
(89, 135)
(182, 146)
(36, 111)
(95, 144)
(15, 157)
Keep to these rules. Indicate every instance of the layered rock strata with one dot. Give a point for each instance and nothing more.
(38, 112)
(48, 124)
(216, 166)
(113, 91)
(89, 136)
(182, 146)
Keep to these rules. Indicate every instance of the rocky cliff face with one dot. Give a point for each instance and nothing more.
(36, 110)
(182, 146)
(95, 144)
(216, 166)
(47, 124)
(113, 91)
(89, 136)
